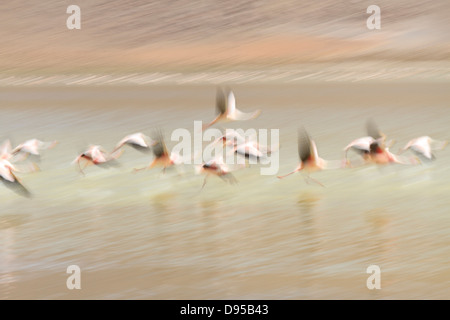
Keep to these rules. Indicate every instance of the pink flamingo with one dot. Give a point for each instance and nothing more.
(227, 111)
(309, 158)
(372, 147)
(8, 177)
(96, 155)
(139, 141)
(424, 147)
(162, 156)
(216, 167)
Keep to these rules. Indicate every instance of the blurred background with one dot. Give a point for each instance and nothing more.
(139, 65)
(182, 35)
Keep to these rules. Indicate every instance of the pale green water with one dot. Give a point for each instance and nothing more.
(149, 235)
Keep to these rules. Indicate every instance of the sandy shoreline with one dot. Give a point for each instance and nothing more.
(187, 35)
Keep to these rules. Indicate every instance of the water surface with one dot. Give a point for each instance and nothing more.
(156, 236)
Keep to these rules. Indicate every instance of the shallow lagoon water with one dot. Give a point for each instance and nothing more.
(157, 236)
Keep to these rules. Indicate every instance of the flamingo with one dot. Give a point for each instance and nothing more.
(360, 146)
(33, 146)
(7, 154)
(9, 178)
(216, 167)
(423, 147)
(162, 157)
(231, 136)
(309, 157)
(378, 152)
(248, 150)
(227, 111)
(96, 155)
(380, 155)
(242, 146)
(366, 147)
(139, 141)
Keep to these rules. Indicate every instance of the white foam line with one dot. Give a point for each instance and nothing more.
(79, 79)
(334, 74)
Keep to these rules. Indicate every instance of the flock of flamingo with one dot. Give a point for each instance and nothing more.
(372, 149)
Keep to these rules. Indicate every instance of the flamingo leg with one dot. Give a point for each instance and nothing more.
(296, 170)
(140, 169)
(88, 162)
(204, 182)
(314, 180)
(228, 177)
(15, 177)
(150, 166)
(79, 166)
(346, 162)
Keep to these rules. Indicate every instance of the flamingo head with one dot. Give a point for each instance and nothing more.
(78, 158)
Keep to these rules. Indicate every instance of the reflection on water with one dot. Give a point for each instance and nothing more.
(161, 202)
(378, 218)
(8, 221)
(307, 202)
(7, 257)
(154, 235)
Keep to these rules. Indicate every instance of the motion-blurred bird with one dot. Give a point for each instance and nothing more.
(227, 111)
(230, 137)
(378, 152)
(371, 148)
(138, 141)
(424, 146)
(9, 178)
(244, 146)
(309, 158)
(249, 150)
(162, 157)
(33, 146)
(96, 155)
(361, 146)
(216, 167)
